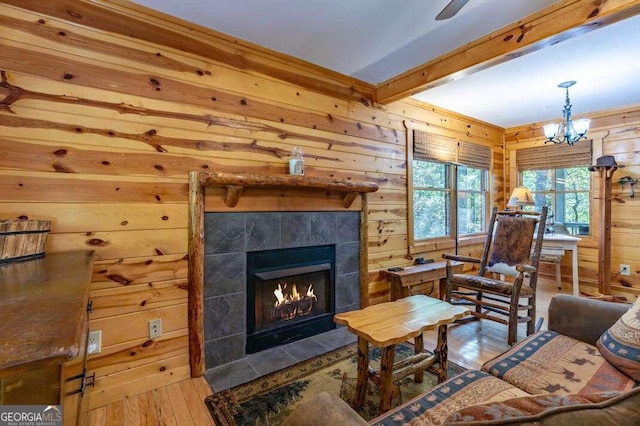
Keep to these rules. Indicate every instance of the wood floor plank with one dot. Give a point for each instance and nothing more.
(115, 414)
(203, 388)
(147, 408)
(162, 403)
(179, 405)
(131, 411)
(198, 410)
(169, 421)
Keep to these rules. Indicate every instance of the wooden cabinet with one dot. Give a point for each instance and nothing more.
(44, 334)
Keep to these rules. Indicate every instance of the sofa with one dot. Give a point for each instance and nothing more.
(583, 370)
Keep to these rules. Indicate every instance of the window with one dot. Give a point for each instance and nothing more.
(472, 200)
(566, 192)
(431, 200)
(558, 177)
(440, 185)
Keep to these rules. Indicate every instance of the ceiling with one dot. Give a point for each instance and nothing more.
(374, 40)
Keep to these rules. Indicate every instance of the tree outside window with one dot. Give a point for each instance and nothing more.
(565, 191)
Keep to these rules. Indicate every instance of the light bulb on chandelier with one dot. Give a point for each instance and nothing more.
(568, 131)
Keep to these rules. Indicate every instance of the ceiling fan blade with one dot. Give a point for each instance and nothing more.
(451, 9)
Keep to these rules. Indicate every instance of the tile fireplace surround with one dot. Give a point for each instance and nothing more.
(229, 236)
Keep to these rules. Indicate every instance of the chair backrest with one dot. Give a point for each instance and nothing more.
(510, 239)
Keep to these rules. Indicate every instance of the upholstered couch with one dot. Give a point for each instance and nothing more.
(583, 370)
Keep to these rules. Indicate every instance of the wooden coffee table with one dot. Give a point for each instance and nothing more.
(387, 324)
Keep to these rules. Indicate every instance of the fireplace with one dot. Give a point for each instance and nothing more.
(231, 236)
(290, 295)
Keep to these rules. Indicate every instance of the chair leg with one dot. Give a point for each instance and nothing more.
(479, 299)
(558, 276)
(531, 312)
(513, 320)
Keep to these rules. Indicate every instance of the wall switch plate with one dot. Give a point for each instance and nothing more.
(155, 328)
(95, 342)
(625, 270)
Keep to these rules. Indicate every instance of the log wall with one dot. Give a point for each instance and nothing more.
(612, 133)
(98, 131)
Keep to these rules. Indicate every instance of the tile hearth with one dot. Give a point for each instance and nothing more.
(260, 364)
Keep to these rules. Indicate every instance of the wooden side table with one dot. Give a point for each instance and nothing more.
(401, 281)
(387, 324)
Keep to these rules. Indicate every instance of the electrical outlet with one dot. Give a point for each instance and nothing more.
(95, 342)
(625, 270)
(155, 328)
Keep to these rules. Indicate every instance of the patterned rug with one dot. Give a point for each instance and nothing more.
(270, 399)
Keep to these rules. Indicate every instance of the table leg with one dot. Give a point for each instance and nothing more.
(574, 270)
(363, 372)
(442, 289)
(418, 348)
(386, 377)
(441, 353)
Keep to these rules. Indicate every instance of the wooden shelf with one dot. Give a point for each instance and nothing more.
(236, 182)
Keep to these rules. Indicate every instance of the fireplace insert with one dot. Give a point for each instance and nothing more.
(290, 295)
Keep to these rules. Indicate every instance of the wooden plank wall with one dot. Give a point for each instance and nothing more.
(613, 133)
(98, 132)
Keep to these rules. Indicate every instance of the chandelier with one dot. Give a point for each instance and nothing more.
(568, 131)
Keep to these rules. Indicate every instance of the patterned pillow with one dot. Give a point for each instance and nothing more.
(620, 344)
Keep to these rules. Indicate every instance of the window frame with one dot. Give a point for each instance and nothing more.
(449, 241)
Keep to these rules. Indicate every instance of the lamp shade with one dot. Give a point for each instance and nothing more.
(581, 126)
(551, 130)
(521, 196)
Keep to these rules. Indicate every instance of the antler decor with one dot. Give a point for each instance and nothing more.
(628, 179)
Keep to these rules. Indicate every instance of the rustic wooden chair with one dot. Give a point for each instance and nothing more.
(508, 252)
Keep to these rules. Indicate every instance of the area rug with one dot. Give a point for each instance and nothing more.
(271, 399)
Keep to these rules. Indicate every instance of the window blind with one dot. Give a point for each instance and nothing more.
(431, 147)
(554, 156)
(474, 155)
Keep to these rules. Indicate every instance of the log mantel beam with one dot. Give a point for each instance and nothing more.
(560, 21)
(235, 182)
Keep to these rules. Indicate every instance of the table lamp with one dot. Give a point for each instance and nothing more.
(521, 196)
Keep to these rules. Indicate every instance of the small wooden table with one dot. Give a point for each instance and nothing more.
(387, 324)
(401, 281)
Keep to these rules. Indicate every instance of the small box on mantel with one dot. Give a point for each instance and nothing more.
(22, 239)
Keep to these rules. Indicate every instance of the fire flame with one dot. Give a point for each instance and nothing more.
(282, 298)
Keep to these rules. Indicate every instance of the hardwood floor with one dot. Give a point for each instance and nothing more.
(470, 345)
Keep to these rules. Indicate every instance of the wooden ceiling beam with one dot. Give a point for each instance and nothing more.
(560, 21)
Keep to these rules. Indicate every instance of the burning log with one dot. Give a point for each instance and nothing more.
(289, 306)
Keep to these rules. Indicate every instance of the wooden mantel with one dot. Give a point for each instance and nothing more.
(235, 183)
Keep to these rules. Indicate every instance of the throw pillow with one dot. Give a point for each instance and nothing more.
(620, 344)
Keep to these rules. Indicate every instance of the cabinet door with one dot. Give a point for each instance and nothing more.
(75, 391)
(40, 386)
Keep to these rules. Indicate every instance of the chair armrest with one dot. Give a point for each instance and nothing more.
(526, 268)
(581, 318)
(460, 258)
